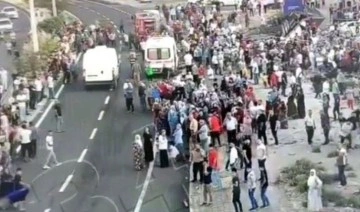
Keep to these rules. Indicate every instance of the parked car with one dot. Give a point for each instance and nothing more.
(11, 12)
(6, 25)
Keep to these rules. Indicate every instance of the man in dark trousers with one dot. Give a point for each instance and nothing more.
(325, 124)
(261, 124)
(236, 191)
(58, 116)
(264, 183)
(34, 137)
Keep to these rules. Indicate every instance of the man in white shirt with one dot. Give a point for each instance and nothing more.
(38, 88)
(233, 157)
(188, 62)
(230, 124)
(24, 134)
(310, 126)
(50, 147)
(4, 78)
(50, 85)
(21, 100)
(261, 153)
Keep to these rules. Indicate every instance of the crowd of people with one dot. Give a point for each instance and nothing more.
(217, 96)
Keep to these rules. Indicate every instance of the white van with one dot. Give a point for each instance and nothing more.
(101, 66)
(161, 52)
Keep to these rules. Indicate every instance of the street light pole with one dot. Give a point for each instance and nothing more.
(34, 34)
(54, 8)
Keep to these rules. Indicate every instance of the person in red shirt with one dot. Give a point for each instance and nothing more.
(274, 80)
(213, 163)
(215, 128)
(202, 72)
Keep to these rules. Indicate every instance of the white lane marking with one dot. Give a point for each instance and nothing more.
(142, 128)
(112, 22)
(107, 199)
(107, 99)
(109, 7)
(146, 183)
(66, 183)
(177, 168)
(118, 31)
(115, 26)
(140, 185)
(82, 156)
(49, 107)
(101, 115)
(47, 210)
(18, 149)
(186, 191)
(93, 133)
(78, 57)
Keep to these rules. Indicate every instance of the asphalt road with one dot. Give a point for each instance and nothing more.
(105, 177)
(111, 151)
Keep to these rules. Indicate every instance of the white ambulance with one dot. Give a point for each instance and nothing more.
(160, 52)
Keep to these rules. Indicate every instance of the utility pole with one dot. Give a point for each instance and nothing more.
(54, 9)
(33, 24)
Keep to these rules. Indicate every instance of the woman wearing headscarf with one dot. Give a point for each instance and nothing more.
(173, 118)
(178, 140)
(314, 192)
(148, 146)
(138, 151)
(163, 149)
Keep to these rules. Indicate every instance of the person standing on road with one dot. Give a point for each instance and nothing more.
(50, 147)
(236, 191)
(142, 95)
(58, 116)
(197, 158)
(261, 154)
(163, 149)
(325, 124)
(34, 137)
(25, 138)
(148, 146)
(128, 94)
(4, 78)
(50, 85)
(310, 127)
(251, 182)
(138, 150)
(264, 183)
(230, 125)
(207, 185)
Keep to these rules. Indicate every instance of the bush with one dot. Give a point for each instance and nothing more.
(315, 149)
(297, 174)
(52, 25)
(330, 195)
(328, 178)
(353, 202)
(333, 154)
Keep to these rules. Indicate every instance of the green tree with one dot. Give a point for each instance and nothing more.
(60, 4)
(30, 64)
(51, 25)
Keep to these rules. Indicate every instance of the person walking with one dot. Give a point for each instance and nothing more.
(58, 116)
(34, 137)
(49, 142)
(128, 93)
(341, 162)
(207, 186)
(264, 183)
(251, 182)
(310, 127)
(274, 125)
(325, 124)
(214, 164)
(25, 139)
(236, 191)
(142, 95)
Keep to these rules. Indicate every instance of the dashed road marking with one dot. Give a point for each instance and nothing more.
(93, 134)
(66, 183)
(107, 99)
(101, 115)
(82, 156)
(47, 210)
